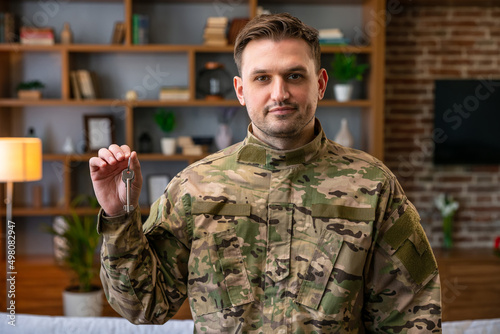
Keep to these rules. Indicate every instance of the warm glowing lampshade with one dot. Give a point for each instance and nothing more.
(20, 159)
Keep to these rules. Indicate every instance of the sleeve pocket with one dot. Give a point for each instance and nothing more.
(410, 246)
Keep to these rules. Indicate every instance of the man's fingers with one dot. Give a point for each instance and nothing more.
(120, 153)
(96, 163)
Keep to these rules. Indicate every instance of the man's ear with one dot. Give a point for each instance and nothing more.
(322, 81)
(238, 88)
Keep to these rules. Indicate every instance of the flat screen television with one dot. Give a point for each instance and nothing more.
(467, 122)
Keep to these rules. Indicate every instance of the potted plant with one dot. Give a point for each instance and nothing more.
(166, 121)
(77, 240)
(345, 69)
(30, 90)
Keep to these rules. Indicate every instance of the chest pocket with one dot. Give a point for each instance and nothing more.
(334, 278)
(218, 277)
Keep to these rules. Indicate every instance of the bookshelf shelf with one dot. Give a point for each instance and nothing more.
(86, 53)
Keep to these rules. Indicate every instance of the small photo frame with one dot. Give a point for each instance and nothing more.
(156, 186)
(99, 131)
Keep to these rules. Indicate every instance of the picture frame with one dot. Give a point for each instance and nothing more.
(99, 131)
(156, 186)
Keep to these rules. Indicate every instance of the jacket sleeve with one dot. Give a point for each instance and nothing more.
(144, 267)
(402, 287)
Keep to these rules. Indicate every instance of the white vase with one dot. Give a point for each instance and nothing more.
(168, 145)
(344, 136)
(82, 304)
(343, 92)
(68, 146)
(224, 136)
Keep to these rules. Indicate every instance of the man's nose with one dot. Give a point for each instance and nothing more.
(279, 90)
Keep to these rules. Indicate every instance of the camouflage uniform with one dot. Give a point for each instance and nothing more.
(320, 239)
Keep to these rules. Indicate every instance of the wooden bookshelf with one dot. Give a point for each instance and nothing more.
(372, 107)
(11, 59)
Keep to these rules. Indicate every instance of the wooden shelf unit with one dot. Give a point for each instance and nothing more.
(372, 107)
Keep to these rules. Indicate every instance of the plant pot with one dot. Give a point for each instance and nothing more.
(82, 304)
(168, 146)
(343, 92)
(29, 94)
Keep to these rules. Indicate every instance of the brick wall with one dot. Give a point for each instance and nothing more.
(424, 44)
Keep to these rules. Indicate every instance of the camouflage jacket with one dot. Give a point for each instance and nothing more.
(319, 239)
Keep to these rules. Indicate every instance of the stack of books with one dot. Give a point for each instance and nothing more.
(83, 85)
(188, 146)
(140, 29)
(8, 28)
(332, 36)
(215, 33)
(36, 36)
(173, 93)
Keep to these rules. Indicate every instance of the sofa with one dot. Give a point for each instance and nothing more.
(40, 324)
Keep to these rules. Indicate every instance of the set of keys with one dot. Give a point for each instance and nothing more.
(127, 177)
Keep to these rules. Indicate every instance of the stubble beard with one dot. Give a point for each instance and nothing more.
(291, 131)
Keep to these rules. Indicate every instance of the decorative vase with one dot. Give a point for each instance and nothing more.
(214, 81)
(68, 146)
(343, 92)
(344, 136)
(224, 136)
(168, 145)
(66, 34)
(448, 232)
(82, 304)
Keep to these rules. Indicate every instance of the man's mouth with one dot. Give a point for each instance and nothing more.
(282, 110)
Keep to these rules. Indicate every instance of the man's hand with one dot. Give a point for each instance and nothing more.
(106, 174)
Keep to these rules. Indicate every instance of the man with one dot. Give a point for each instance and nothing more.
(286, 232)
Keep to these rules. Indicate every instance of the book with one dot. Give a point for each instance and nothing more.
(217, 21)
(85, 84)
(236, 25)
(2, 27)
(140, 29)
(118, 33)
(36, 36)
(330, 33)
(11, 27)
(173, 93)
(75, 87)
(334, 41)
(194, 150)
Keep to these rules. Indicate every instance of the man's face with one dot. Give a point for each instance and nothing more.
(280, 87)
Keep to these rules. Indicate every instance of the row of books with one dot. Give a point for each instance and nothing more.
(8, 28)
(83, 85)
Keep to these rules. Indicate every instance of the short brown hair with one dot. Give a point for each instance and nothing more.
(277, 27)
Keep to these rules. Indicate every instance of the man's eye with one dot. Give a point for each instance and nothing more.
(261, 78)
(295, 76)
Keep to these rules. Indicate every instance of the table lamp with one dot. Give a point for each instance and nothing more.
(21, 162)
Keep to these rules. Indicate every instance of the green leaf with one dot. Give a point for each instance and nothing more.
(345, 68)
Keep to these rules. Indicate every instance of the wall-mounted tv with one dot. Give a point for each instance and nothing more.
(467, 122)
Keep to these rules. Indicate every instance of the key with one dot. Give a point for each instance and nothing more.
(127, 177)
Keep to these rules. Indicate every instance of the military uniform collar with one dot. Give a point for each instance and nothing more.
(255, 152)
